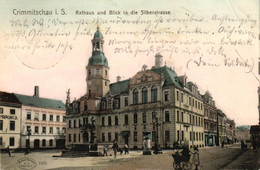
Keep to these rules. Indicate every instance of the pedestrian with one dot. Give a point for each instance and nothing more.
(8, 151)
(105, 150)
(222, 144)
(254, 144)
(126, 149)
(115, 147)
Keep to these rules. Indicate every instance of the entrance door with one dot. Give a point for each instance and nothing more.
(126, 139)
(36, 144)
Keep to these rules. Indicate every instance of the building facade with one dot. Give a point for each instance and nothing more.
(42, 121)
(221, 133)
(210, 120)
(154, 100)
(10, 116)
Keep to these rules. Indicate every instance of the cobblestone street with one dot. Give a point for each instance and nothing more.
(229, 157)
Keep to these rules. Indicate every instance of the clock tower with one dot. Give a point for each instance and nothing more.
(97, 69)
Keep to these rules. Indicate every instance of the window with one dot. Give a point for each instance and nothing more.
(201, 106)
(57, 118)
(189, 101)
(196, 136)
(103, 121)
(116, 136)
(178, 135)
(36, 116)
(177, 95)
(135, 118)
(154, 94)
(28, 128)
(116, 104)
(178, 116)
(80, 123)
(190, 136)
(89, 72)
(166, 96)
(1, 141)
(51, 130)
(74, 138)
(182, 97)
(51, 142)
(126, 119)
(135, 96)
(116, 120)
(167, 116)
(12, 125)
(28, 116)
(12, 111)
(43, 117)
(69, 123)
(11, 141)
(135, 136)
(43, 129)
(69, 137)
(193, 136)
(103, 137)
(126, 101)
(106, 72)
(1, 124)
(144, 95)
(1, 110)
(144, 117)
(153, 136)
(79, 137)
(196, 104)
(58, 130)
(182, 135)
(201, 136)
(36, 129)
(192, 102)
(75, 123)
(63, 130)
(109, 104)
(51, 118)
(167, 136)
(63, 119)
(85, 120)
(182, 117)
(109, 137)
(105, 83)
(109, 121)
(43, 142)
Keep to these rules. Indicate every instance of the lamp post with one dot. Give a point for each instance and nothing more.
(28, 145)
(155, 121)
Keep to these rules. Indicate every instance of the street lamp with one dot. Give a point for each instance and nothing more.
(28, 145)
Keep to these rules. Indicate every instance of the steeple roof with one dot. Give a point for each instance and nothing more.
(98, 34)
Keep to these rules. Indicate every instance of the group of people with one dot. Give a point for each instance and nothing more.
(115, 149)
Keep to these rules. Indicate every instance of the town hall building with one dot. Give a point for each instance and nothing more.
(156, 100)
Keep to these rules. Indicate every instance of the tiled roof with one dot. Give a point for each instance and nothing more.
(40, 102)
(170, 76)
(8, 98)
(120, 87)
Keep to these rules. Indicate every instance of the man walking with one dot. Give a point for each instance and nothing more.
(115, 147)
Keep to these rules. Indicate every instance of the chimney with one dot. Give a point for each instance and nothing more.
(118, 78)
(36, 91)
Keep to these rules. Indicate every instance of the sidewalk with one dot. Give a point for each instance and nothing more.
(248, 160)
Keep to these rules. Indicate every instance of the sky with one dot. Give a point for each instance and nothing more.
(57, 69)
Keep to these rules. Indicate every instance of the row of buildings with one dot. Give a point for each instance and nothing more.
(31, 121)
(157, 100)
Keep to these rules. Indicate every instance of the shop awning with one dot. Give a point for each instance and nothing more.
(125, 133)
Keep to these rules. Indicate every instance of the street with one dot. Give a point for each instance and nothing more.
(229, 157)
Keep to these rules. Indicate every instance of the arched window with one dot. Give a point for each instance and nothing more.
(126, 119)
(154, 94)
(51, 142)
(144, 95)
(43, 142)
(135, 96)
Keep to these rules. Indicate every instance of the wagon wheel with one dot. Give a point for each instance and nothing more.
(186, 165)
